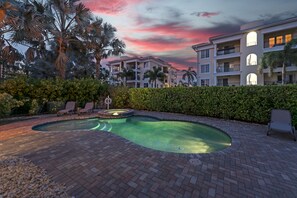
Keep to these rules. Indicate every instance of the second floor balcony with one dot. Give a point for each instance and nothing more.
(228, 68)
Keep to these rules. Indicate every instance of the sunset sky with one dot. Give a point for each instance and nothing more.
(168, 28)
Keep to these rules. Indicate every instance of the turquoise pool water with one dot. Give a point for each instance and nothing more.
(169, 136)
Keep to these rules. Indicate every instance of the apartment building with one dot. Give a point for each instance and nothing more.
(139, 65)
(233, 59)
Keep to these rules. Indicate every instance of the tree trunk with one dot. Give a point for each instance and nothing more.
(283, 73)
(98, 60)
(155, 84)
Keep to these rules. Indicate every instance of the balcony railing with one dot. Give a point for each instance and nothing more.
(278, 82)
(268, 45)
(231, 50)
(230, 68)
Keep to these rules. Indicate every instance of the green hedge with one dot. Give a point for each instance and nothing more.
(7, 103)
(120, 97)
(36, 93)
(248, 103)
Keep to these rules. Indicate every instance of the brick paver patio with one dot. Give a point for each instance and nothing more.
(100, 164)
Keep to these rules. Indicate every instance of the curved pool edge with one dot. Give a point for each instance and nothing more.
(235, 143)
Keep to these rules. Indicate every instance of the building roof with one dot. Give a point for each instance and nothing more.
(255, 25)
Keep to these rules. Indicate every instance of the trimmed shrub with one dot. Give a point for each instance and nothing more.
(7, 103)
(119, 96)
(54, 107)
(35, 93)
(246, 103)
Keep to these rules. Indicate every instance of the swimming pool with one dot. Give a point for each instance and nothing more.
(162, 135)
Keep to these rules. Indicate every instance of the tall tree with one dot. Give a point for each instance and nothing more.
(67, 15)
(21, 22)
(190, 75)
(154, 75)
(283, 58)
(101, 41)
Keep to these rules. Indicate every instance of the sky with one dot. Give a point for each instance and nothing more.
(168, 28)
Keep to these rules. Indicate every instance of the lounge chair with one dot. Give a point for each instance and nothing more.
(281, 122)
(69, 108)
(88, 108)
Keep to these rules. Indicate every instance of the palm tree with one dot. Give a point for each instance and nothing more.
(21, 23)
(154, 75)
(283, 58)
(126, 73)
(67, 16)
(190, 75)
(100, 40)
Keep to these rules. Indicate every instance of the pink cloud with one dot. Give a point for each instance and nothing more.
(158, 44)
(111, 7)
(180, 31)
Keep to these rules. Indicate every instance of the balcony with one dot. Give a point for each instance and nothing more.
(230, 52)
(278, 69)
(227, 51)
(269, 45)
(228, 69)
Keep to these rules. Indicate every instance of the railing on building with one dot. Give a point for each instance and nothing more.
(230, 50)
(230, 68)
(268, 45)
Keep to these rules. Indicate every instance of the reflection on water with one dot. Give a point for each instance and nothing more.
(170, 136)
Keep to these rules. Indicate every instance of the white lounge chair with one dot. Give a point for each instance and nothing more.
(69, 108)
(281, 121)
(88, 108)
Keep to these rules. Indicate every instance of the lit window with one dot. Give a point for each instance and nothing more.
(279, 40)
(251, 79)
(205, 53)
(204, 82)
(251, 39)
(205, 68)
(288, 38)
(251, 59)
(271, 42)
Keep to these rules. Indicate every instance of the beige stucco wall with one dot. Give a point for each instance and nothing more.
(204, 61)
(245, 51)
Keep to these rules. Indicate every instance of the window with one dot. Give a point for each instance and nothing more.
(251, 59)
(205, 53)
(279, 40)
(145, 84)
(271, 42)
(223, 82)
(205, 68)
(279, 78)
(251, 79)
(288, 38)
(204, 82)
(290, 79)
(251, 39)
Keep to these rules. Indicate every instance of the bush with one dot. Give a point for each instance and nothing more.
(7, 103)
(36, 93)
(54, 107)
(246, 103)
(119, 96)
